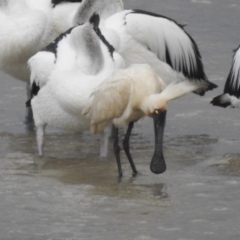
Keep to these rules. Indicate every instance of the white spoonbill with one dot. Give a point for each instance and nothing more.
(231, 93)
(84, 59)
(130, 94)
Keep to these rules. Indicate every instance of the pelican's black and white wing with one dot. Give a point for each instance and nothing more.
(168, 40)
(231, 93)
(42, 64)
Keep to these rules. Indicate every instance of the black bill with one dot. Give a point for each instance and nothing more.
(158, 164)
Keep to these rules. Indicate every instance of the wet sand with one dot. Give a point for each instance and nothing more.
(72, 194)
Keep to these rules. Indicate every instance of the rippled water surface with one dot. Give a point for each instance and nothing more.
(72, 194)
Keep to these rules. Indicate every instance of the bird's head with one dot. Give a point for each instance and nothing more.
(155, 104)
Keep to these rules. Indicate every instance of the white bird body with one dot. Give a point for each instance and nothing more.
(27, 26)
(24, 30)
(62, 109)
(43, 62)
(83, 62)
(130, 94)
(231, 94)
(60, 103)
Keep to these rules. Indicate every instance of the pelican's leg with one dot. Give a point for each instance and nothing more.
(104, 135)
(40, 138)
(29, 114)
(126, 147)
(117, 151)
(158, 164)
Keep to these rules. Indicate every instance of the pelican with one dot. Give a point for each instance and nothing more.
(231, 93)
(130, 94)
(27, 26)
(43, 62)
(84, 59)
(145, 37)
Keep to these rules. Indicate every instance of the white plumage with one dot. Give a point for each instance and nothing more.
(24, 29)
(43, 62)
(27, 26)
(130, 94)
(83, 62)
(144, 37)
(231, 94)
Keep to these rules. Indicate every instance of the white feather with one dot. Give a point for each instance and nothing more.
(67, 92)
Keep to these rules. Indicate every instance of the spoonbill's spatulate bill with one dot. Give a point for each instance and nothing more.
(158, 164)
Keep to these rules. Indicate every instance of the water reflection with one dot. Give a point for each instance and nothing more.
(73, 159)
(228, 164)
(100, 175)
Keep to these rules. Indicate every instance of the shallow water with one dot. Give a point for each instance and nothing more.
(72, 194)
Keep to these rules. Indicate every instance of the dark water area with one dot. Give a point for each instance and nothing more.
(72, 194)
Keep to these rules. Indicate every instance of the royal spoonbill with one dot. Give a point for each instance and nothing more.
(231, 93)
(130, 94)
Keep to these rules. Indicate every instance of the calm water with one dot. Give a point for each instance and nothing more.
(72, 194)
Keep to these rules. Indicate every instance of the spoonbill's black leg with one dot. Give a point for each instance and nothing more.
(117, 150)
(126, 147)
(158, 164)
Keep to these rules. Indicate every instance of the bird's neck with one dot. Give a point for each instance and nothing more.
(104, 8)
